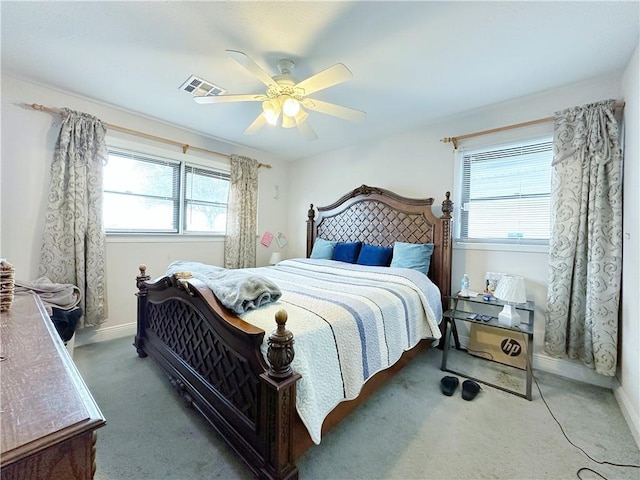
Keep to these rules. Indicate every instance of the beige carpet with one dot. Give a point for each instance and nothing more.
(408, 430)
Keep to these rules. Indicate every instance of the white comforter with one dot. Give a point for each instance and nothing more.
(348, 321)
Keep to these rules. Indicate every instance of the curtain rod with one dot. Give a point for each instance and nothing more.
(185, 147)
(454, 140)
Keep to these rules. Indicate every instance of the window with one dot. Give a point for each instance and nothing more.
(205, 200)
(145, 194)
(505, 195)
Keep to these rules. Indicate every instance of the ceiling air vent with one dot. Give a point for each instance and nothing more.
(201, 88)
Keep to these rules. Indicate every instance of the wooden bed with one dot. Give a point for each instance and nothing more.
(213, 358)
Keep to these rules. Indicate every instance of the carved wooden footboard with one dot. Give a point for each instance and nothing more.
(213, 360)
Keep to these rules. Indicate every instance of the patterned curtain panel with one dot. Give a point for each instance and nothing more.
(242, 208)
(73, 243)
(585, 250)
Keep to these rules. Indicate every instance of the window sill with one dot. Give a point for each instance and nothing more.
(161, 238)
(501, 247)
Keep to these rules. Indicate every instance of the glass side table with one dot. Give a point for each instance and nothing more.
(458, 313)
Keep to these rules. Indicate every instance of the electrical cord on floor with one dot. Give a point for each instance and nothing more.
(599, 462)
(625, 465)
(480, 353)
(587, 469)
(603, 462)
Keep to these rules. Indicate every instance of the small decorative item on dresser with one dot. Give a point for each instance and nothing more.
(7, 284)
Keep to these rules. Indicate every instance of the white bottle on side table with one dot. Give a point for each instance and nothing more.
(464, 286)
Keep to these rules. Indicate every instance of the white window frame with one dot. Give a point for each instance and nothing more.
(156, 154)
(503, 244)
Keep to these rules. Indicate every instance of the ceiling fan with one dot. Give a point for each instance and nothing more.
(286, 98)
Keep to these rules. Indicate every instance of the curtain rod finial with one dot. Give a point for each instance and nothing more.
(453, 140)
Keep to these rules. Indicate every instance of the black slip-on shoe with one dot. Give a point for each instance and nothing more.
(470, 389)
(448, 385)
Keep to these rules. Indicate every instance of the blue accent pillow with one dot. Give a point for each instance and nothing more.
(347, 251)
(375, 256)
(322, 249)
(412, 255)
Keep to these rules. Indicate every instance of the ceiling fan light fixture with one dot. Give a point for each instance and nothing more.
(288, 121)
(290, 106)
(271, 111)
(301, 116)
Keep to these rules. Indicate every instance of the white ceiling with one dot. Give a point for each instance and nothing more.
(412, 62)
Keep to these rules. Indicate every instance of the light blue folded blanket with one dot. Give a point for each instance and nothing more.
(237, 290)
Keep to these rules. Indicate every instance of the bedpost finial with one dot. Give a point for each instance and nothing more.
(143, 277)
(280, 351)
(281, 317)
(143, 274)
(447, 206)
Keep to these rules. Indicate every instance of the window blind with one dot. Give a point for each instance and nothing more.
(506, 193)
(141, 194)
(205, 205)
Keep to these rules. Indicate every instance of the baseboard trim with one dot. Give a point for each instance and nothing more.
(572, 370)
(630, 415)
(88, 336)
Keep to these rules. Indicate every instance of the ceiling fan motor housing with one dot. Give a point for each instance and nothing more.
(286, 66)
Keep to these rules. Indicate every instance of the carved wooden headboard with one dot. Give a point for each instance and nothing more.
(379, 217)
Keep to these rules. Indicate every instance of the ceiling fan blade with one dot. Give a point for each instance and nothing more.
(334, 110)
(252, 97)
(306, 131)
(257, 124)
(334, 75)
(252, 66)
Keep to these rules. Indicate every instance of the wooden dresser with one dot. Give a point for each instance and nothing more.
(48, 417)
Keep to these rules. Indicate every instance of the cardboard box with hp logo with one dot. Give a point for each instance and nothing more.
(500, 345)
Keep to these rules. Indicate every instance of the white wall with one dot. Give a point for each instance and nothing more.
(628, 394)
(417, 163)
(28, 140)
